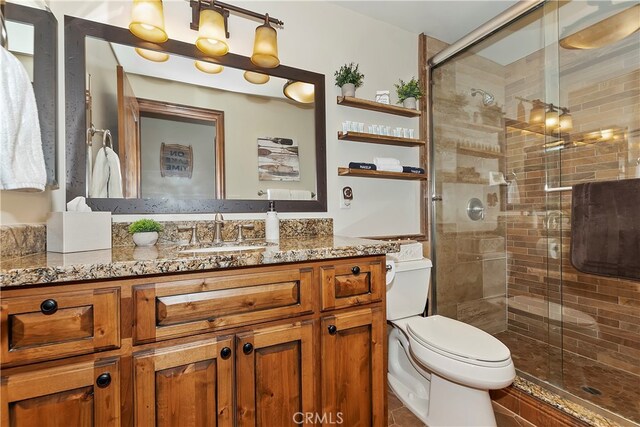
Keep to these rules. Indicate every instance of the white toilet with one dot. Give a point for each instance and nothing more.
(440, 368)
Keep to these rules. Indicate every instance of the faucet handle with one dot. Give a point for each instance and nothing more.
(244, 227)
(194, 236)
(218, 218)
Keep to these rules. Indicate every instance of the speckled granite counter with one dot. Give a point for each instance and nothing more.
(49, 267)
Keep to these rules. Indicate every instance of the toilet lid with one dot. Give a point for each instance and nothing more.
(458, 339)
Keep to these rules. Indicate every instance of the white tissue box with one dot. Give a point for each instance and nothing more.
(78, 231)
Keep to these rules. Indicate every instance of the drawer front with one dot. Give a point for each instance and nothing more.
(173, 309)
(59, 324)
(352, 283)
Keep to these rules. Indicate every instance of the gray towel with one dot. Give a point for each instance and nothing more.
(605, 228)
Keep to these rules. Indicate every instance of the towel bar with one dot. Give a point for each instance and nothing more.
(262, 193)
(548, 189)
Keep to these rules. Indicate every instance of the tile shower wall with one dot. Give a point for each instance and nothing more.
(601, 316)
(471, 261)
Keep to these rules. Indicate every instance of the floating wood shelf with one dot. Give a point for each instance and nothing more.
(381, 174)
(476, 152)
(379, 139)
(365, 104)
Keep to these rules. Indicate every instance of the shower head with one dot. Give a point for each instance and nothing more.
(487, 98)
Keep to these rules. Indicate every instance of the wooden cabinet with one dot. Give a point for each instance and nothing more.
(282, 345)
(185, 385)
(275, 375)
(75, 394)
(353, 369)
(58, 324)
(179, 308)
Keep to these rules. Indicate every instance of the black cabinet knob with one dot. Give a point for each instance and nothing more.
(355, 270)
(332, 329)
(225, 353)
(103, 380)
(247, 348)
(49, 306)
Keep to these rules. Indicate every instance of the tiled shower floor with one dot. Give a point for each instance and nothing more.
(619, 390)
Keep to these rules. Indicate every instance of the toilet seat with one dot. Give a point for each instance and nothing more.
(459, 341)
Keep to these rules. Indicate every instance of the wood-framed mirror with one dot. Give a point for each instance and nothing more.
(33, 39)
(254, 138)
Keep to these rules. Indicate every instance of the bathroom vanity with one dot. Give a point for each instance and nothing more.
(265, 337)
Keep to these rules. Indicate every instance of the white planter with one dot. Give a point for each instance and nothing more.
(409, 103)
(148, 238)
(348, 89)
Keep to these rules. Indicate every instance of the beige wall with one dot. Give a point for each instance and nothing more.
(246, 118)
(200, 137)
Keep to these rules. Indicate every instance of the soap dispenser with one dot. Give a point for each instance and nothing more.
(272, 224)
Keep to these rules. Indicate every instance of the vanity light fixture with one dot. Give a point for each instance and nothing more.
(537, 114)
(152, 55)
(208, 67)
(604, 32)
(552, 119)
(256, 78)
(265, 46)
(299, 91)
(147, 21)
(212, 32)
(566, 121)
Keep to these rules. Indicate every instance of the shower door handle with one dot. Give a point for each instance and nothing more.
(436, 198)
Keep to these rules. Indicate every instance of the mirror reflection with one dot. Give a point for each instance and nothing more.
(185, 129)
(20, 38)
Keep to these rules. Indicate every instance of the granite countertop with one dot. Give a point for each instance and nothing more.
(51, 267)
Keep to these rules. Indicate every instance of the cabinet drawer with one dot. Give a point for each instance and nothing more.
(57, 325)
(352, 283)
(172, 309)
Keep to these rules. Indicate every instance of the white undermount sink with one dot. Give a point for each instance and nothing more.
(216, 249)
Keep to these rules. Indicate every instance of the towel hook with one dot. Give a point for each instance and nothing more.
(106, 136)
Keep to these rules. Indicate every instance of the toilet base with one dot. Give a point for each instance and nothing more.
(434, 400)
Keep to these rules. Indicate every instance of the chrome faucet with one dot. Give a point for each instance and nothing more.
(194, 235)
(241, 227)
(217, 232)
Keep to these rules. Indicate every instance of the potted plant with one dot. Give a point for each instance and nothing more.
(349, 78)
(408, 93)
(145, 232)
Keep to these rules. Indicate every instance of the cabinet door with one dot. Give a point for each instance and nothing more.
(352, 283)
(275, 375)
(353, 370)
(185, 385)
(73, 394)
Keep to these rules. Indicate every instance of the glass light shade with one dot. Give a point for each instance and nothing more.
(566, 122)
(265, 47)
(299, 91)
(147, 21)
(606, 31)
(537, 114)
(208, 67)
(211, 33)
(152, 55)
(552, 120)
(256, 78)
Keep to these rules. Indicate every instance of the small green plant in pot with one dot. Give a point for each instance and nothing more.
(145, 232)
(408, 93)
(349, 78)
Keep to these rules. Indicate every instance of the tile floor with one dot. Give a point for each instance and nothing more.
(619, 391)
(400, 416)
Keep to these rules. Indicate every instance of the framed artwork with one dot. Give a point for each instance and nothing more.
(278, 159)
(176, 160)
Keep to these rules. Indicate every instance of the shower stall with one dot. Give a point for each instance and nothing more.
(518, 116)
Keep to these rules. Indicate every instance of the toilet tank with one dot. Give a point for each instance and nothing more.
(407, 293)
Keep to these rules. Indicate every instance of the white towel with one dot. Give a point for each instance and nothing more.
(278, 194)
(389, 168)
(301, 195)
(513, 194)
(107, 179)
(385, 161)
(21, 157)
